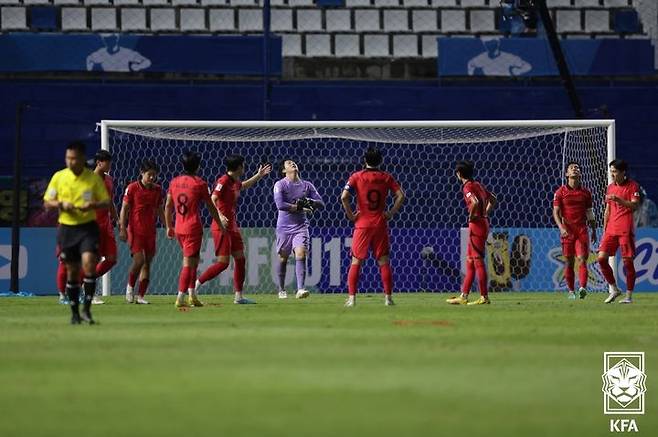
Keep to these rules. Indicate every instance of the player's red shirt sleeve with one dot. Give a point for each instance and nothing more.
(219, 185)
(129, 195)
(588, 202)
(351, 183)
(557, 198)
(635, 196)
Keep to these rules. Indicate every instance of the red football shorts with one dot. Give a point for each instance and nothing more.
(190, 243)
(610, 244)
(576, 243)
(365, 238)
(107, 245)
(227, 242)
(141, 243)
(477, 238)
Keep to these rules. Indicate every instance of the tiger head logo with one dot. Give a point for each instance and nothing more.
(624, 383)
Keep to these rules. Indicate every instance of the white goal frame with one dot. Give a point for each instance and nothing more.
(609, 124)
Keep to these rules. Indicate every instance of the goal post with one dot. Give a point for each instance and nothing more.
(522, 161)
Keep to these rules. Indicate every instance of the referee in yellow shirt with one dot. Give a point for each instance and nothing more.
(77, 193)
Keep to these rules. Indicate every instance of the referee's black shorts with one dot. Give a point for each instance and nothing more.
(74, 240)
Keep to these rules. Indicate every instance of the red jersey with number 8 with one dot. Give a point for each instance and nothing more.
(188, 192)
(371, 186)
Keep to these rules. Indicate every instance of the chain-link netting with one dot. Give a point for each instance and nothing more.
(523, 166)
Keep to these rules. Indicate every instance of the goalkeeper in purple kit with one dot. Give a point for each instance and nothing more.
(295, 198)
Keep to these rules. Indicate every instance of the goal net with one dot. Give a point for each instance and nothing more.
(523, 162)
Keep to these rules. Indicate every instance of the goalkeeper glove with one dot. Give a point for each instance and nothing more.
(305, 204)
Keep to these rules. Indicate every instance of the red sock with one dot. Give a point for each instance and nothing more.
(570, 276)
(212, 271)
(239, 274)
(132, 279)
(143, 286)
(184, 278)
(481, 272)
(104, 267)
(582, 274)
(607, 271)
(630, 273)
(470, 276)
(61, 277)
(353, 278)
(387, 278)
(191, 283)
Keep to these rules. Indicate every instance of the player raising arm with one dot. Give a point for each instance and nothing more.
(185, 194)
(572, 211)
(622, 198)
(142, 203)
(479, 203)
(228, 242)
(295, 198)
(371, 187)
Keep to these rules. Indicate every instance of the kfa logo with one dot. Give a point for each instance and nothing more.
(624, 386)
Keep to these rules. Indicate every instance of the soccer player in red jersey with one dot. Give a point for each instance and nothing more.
(142, 204)
(229, 242)
(106, 217)
(371, 187)
(479, 202)
(622, 198)
(186, 193)
(572, 211)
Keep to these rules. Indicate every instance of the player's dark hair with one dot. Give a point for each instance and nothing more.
(373, 157)
(619, 165)
(103, 155)
(77, 146)
(465, 169)
(233, 162)
(191, 161)
(282, 164)
(571, 163)
(148, 165)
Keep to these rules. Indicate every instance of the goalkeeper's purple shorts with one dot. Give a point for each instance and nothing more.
(286, 242)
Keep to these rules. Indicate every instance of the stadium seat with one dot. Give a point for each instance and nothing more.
(133, 19)
(36, 2)
(10, 2)
(127, 3)
(483, 20)
(428, 46)
(184, 2)
(221, 20)
(309, 20)
(568, 20)
(193, 20)
(559, 3)
(396, 20)
(586, 3)
(366, 19)
(104, 20)
(301, 3)
(13, 18)
(443, 3)
(627, 21)
(357, 3)
(376, 45)
(65, 2)
(453, 20)
(616, 3)
(347, 45)
(387, 3)
(74, 19)
(597, 20)
(243, 2)
(473, 3)
(291, 44)
(281, 21)
(156, 2)
(250, 19)
(214, 2)
(97, 2)
(405, 46)
(163, 19)
(424, 20)
(318, 44)
(338, 20)
(416, 3)
(43, 18)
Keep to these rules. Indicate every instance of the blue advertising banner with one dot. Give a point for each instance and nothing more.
(241, 55)
(494, 56)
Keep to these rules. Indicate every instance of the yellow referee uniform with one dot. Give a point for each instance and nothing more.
(65, 186)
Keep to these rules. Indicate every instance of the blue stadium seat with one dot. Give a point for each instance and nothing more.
(626, 21)
(43, 18)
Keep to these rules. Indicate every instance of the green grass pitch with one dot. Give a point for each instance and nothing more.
(530, 364)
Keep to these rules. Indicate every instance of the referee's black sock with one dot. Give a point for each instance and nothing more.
(73, 292)
(90, 290)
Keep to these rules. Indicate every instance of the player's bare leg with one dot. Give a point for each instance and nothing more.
(570, 276)
(281, 273)
(630, 279)
(239, 274)
(387, 279)
(144, 279)
(139, 259)
(353, 281)
(300, 272)
(609, 276)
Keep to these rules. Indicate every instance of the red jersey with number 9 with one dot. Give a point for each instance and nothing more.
(188, 192)
(371, 186)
